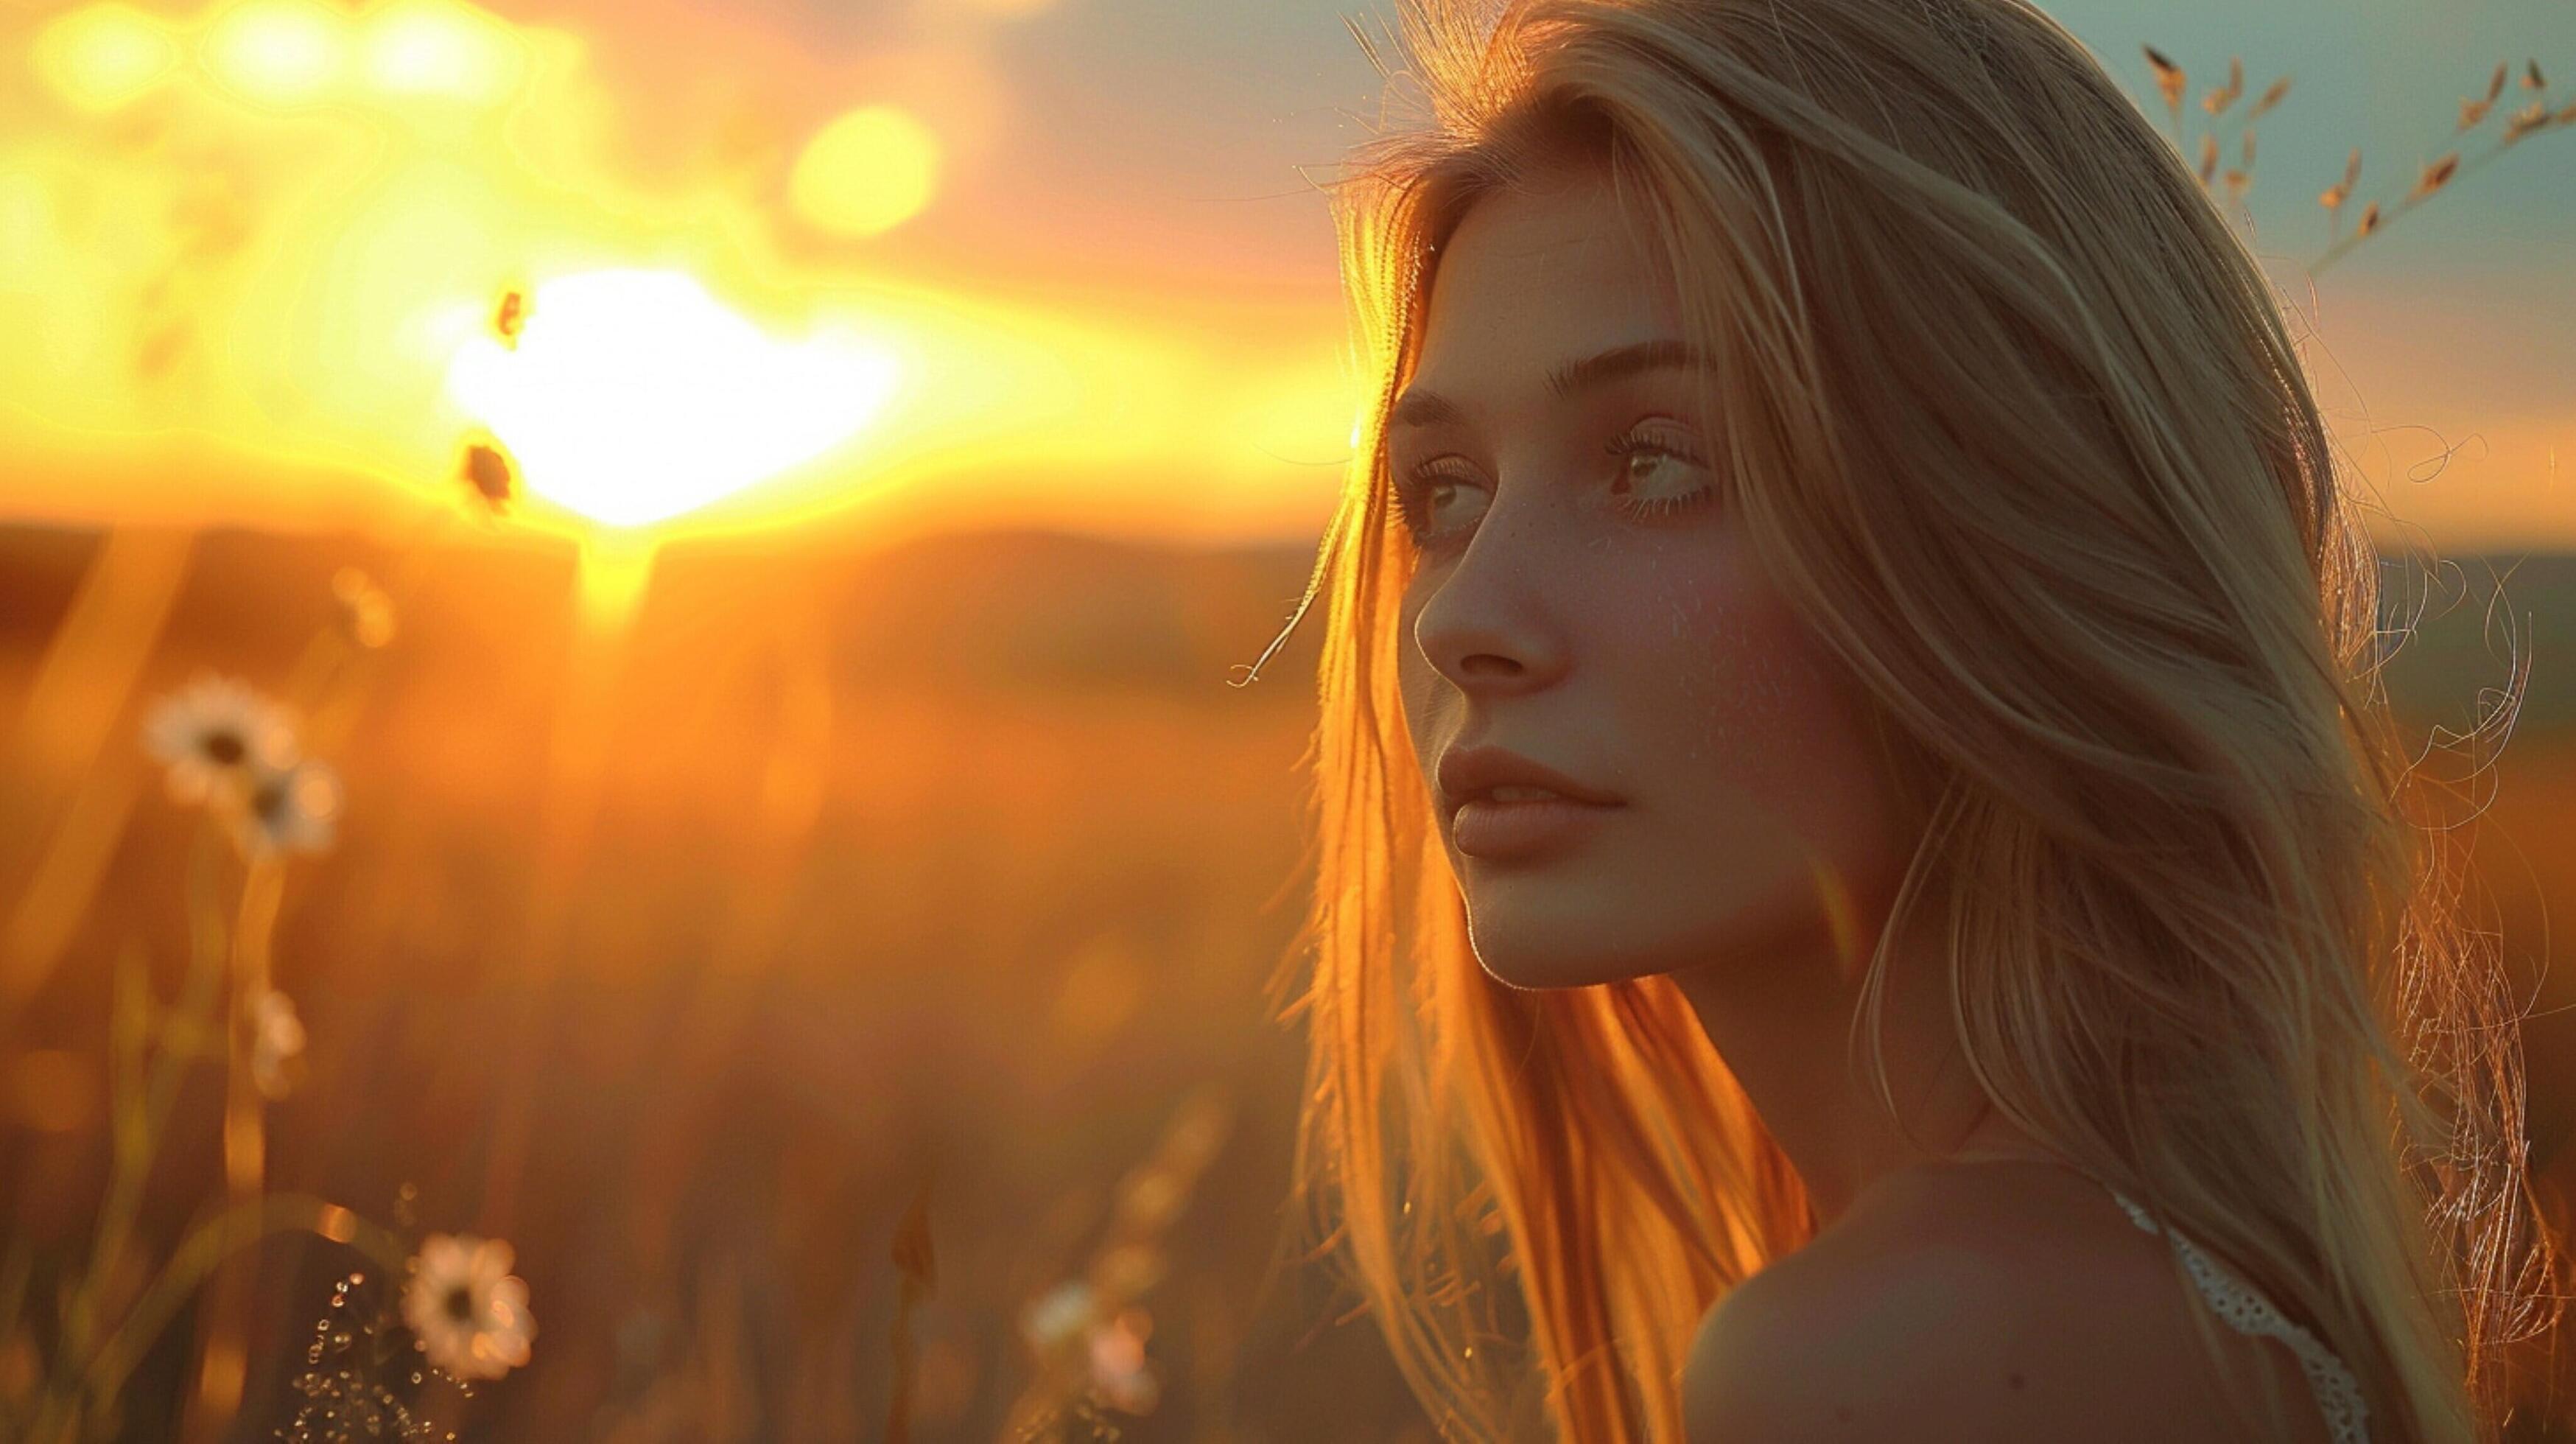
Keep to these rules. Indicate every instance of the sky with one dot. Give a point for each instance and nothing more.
(252, 281)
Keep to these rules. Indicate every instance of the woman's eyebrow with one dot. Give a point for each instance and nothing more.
(1417, 407)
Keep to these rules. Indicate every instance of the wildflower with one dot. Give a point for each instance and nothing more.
(469, 1312)
(1120, 1374)
(289, 809)
(366, 613)
(213, 735)
(343, 1392)
(277, 1040)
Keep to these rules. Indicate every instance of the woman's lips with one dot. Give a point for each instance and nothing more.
(1495, 830)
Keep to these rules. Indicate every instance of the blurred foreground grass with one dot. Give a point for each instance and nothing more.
(950, 872)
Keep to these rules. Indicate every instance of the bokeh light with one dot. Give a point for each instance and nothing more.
(278, 52)
(105, 56)
(866, 172)
(436, 48)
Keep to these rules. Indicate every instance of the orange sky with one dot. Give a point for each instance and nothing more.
(926, 263)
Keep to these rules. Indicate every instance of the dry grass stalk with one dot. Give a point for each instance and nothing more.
(919, 1272)
(2173, 84)
(232, 753)
(2169, 81)
(2217, 101)
(1102, 1307)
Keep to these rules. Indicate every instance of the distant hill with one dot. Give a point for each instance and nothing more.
(1034, 610)
(1016, 610)
(2468, 624)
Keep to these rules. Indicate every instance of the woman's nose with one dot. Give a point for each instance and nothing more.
(1487, 621)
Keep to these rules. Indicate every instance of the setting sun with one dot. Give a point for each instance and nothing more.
(633, 396)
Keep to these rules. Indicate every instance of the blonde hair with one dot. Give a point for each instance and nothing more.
(2020, 431)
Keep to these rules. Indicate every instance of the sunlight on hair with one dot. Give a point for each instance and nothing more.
(633, 396)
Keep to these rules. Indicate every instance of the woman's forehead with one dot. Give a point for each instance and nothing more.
(1532, 288)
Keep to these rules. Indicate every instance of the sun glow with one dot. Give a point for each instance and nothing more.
(633, 396)
(252, 254)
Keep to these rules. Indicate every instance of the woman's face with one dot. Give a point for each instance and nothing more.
(1583, 599)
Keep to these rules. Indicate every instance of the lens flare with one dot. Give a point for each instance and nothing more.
(633, 396)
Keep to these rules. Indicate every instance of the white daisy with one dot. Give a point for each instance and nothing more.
(289, 809)
(1119, 1371)
(212, 733)
(278, 1039)
(468, 1310)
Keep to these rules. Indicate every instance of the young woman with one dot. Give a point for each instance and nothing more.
(1867, 889)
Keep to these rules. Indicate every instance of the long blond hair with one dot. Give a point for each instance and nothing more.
(2013, 417)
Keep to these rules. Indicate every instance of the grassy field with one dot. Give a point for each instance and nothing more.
(688, 959)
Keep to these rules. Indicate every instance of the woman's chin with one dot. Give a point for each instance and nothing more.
(1568, 952)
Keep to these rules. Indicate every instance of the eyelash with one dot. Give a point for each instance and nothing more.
(1410, 489)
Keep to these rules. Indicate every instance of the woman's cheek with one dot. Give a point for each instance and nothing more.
(1731, 701)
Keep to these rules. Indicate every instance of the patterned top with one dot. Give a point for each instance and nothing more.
(2248, 1312)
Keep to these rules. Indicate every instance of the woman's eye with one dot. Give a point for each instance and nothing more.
(1427, 498)
(1655, 478)
(1645, 478)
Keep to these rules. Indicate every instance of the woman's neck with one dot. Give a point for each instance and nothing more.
(1781, 1025)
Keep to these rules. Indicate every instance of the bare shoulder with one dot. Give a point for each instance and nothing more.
(1975, 1304)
